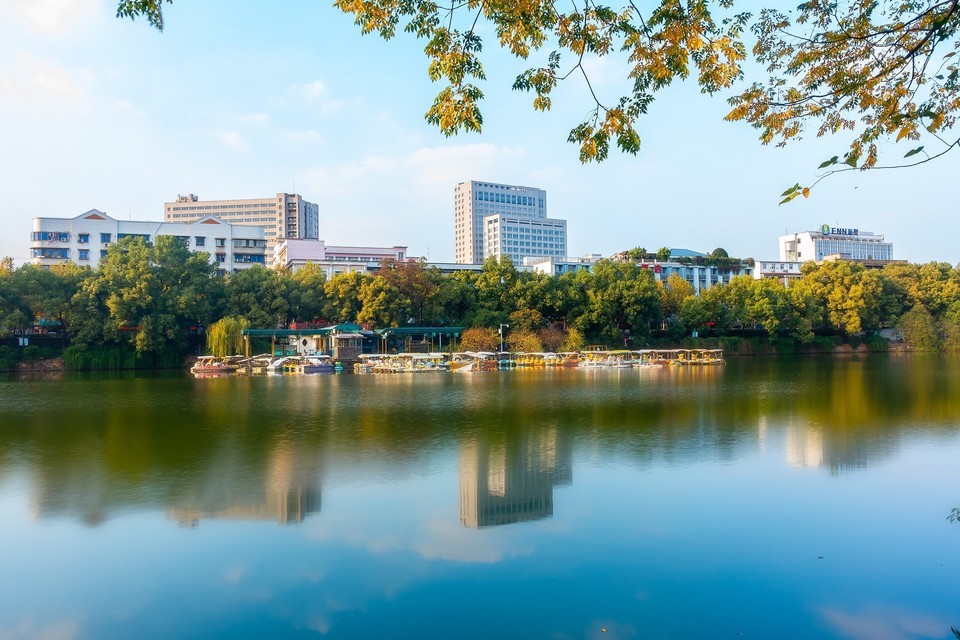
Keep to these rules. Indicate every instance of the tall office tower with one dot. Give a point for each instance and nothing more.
(502, 219)
(284, 216)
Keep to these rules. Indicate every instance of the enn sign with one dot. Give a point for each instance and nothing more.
(838, 231)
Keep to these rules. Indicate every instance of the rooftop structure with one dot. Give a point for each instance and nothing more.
(560, 266)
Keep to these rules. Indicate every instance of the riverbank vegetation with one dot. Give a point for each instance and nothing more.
(150, 304)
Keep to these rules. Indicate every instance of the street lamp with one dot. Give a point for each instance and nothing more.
(500, 331)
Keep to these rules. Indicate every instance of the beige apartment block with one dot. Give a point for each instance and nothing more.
(285, 215)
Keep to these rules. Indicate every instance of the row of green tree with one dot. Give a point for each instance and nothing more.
(148, 298)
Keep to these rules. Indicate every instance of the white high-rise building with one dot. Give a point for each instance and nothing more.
(285, 215)
(499, 219)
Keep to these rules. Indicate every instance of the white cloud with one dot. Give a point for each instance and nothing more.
(235, 575)
(125, 106)
(233, 140)
(57, 83)
(438, 169)
(309, 135)
(54, 15)
(362, 198)
(333, 106)
(255, 118)
(445, 166)
(884, 623)
(310, 89)
(63, 630)
(447, 540)
(607, 71)
(33, 79)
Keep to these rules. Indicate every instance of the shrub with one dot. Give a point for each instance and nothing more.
(9, 357)
(524, 341)
(876, 343)
(31, 352)
(480, 339)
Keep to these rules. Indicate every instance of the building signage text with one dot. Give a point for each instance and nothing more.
(838, 231)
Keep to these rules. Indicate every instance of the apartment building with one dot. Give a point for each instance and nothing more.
(285, 215)
(85, 239)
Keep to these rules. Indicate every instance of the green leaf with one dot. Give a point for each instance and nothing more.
(827, 163)
(913, 152)
(791, 190)
(794, 193)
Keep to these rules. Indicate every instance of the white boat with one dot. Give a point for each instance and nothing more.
(301, 365)
(473, 361)
(214, 365)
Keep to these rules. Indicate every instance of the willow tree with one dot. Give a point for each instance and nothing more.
(870, 70)
(225, 336)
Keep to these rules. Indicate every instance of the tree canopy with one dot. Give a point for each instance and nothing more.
(871, 70)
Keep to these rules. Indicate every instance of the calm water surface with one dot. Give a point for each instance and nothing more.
(764, 499)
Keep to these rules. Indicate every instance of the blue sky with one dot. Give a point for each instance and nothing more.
(244, 100)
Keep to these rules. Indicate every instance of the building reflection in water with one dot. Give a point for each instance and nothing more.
(804, 445)
(280, 482)
(290, 494)
(839, 449)
(512, 481)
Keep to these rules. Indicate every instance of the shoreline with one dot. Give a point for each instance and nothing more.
(57, 366)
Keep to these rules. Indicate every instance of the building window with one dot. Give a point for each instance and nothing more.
(83, 238)
(221, 257)
(84, 254)
(221, 242)
(105, 238)
(103, 253)
(50, 236)
(200, 241)
(57, 254)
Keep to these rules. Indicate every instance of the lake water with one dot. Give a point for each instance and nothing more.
(768, 498)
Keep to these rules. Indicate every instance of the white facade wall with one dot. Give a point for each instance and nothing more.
(294, 254)
(781, 270)
(285, 215)
(560, 266)
(700, 277)
(849, 243)
(474, 201)
(520, 238)
(86, 238)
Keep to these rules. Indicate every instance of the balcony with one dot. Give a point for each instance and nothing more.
(50, 236)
